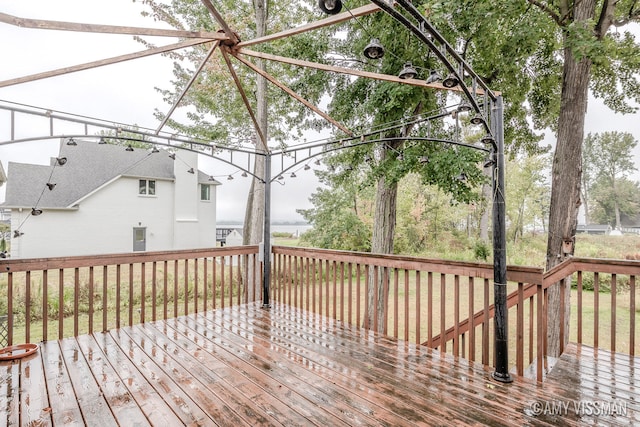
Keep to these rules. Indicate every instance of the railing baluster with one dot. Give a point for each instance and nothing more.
(406, 306)
(154, 291)
(90, 300)
(165, 288)
(60, 303)
(418, 298)
(443, 326)
(175, 288)
(130, 294)
(358, 294)
(307, 282)
(27, 308)
(186, 286)
(118, 295)
(613, 311)
(596, 308)
(195, 285)
(429, 308)
(485, 324)
(456, 315)
(540, 348)
(632, 315)
(10, 308)
(579, 313)
(105, 308)
(470, 314)
(327, 289)
(334, 269)
(531, 325)
(375, 298)
(76, 295)
(143, 296)
(520, 331)
(341, 291)
(366, 298)
(45, 304)
(396, 285)
(205, 277)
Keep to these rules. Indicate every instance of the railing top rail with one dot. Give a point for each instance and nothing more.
(462, 268)
(593, 265)
(31, 264)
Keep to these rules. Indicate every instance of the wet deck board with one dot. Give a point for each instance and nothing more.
(248, 366)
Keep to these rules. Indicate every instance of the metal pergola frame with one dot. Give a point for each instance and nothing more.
(488, 111)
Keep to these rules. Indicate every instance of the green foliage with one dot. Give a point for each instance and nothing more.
(481, 250)
(607, 161)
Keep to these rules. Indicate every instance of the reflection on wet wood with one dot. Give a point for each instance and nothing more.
(248, 366)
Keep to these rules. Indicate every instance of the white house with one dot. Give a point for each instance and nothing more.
(102, 198)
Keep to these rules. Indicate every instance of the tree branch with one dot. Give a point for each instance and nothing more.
(546, 9)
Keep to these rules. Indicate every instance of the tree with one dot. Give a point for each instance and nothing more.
(610, 204)
(610, 160)
(223, 118)
(527, 187)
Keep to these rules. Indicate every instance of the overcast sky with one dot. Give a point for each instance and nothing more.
(125, 93)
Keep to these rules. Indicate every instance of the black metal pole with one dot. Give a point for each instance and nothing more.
(266, 240)
(501, 348)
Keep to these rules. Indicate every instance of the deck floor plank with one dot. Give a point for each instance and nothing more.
(246, 366)
(345, 399)
(375, 389)
(10, 393)
(432, 375)
(255, 382)
(61, 394)
(34, 401)
(224, 383)
(91, 401)
(203, 386)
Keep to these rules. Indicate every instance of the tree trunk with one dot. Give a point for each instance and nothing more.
(384, 226)
(566, 180)
(253, 229)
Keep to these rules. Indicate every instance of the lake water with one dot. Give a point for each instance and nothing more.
(296, 229)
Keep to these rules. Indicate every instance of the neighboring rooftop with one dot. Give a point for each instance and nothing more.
(89, 165)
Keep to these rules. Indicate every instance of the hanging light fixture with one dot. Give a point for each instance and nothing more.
(451, 81)
(423, 160)
(462, 177)
(477, 120)
(102, 141)
(155, 149)
(400, 157)
(434, 76)
(211, 178)
(280, 177)
(129, 148)
(307, 167)
(230, 177)
(317, 162)
(61, 161)
(17, 233)
(71, 141)
(487, 139)
(172, 156)
(464, 106)
(293, 175)
(408, 72)
(50, 186)
(36, 212)
(191, 170)
(374, 49)
(330, 7)
(244, 174)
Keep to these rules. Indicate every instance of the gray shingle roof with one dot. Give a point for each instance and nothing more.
(89, 166)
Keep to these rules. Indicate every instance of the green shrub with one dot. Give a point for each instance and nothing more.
(481, 250)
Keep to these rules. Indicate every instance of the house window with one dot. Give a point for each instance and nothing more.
(147, 187)
(205, 192)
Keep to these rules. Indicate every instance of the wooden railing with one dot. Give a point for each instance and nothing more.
(60, 297)
(446, 305)
(429, 302)
(606, 294)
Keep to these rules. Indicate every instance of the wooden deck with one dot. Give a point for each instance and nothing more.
(248, 366)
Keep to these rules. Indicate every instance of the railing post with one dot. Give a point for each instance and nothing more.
(266, 240)
(501, 372)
